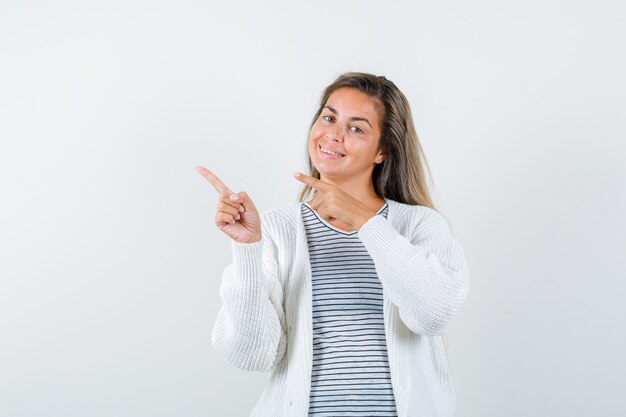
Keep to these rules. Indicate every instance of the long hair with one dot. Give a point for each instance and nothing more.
(401, 176)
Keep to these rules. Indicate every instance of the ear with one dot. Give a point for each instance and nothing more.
(380, 157)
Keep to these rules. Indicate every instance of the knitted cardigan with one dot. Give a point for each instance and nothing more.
(265, 321)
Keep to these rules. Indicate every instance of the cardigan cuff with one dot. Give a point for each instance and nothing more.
(247, 257)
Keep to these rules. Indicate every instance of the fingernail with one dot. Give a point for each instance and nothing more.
(296, 174)
(241, 209)
(234, 197)
(238, 217)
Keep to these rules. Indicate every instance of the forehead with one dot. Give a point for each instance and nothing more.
(352, 102)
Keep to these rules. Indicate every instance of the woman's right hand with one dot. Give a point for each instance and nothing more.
(237, 217)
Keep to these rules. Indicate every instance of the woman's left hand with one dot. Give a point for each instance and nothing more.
(333, 202)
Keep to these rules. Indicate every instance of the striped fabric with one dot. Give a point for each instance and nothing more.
(350, 375)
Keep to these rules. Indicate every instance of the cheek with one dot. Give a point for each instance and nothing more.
(314, 138)
(317, 132)
(312, 146)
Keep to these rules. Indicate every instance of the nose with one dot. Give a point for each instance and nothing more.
(336, 132)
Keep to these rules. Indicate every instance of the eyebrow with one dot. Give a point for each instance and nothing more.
(352, 118)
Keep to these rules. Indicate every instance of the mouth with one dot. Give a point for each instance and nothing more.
(326, 154)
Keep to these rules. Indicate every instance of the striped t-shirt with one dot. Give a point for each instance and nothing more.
(350, 375)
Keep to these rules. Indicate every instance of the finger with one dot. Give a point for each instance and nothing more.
(222, 219)
(313, 182)
(228, 198)
(213, 179)
(315, 201)
(243, 198)
(228, 209)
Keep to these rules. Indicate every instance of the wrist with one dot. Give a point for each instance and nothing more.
(361, 220)
(255, 239)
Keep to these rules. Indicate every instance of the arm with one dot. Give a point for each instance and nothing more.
(249, 331)
(426, 277)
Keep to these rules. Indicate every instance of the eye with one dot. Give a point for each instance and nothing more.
(358, 129)
(324, 117)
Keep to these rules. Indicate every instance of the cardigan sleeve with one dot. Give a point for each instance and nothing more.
(249, 331)
(425, 275)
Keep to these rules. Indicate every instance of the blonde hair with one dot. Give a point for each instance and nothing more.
(401, 175)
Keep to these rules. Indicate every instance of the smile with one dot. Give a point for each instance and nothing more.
(330, 154)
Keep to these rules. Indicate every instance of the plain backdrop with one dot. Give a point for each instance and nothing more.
(110, 262)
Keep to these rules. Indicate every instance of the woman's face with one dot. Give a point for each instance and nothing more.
(348, 125)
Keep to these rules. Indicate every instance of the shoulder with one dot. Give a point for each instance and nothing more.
(282, 218)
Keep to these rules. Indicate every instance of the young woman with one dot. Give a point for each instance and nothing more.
(346, 296)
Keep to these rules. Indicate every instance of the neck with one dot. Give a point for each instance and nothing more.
(359, 190)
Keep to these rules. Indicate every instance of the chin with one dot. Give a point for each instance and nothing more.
(330, 173)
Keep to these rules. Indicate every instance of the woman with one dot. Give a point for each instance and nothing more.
(346, 297)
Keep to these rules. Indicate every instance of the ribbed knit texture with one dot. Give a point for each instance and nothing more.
(265, 321)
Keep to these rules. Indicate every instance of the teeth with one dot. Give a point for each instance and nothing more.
(330, 152)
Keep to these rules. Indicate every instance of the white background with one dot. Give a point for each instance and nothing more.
(110, 262)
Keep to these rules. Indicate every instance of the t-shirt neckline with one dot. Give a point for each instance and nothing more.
(345, 232)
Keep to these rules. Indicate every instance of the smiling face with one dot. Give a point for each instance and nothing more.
(344, 140)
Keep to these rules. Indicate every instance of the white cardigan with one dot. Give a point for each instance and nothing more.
(265, 322)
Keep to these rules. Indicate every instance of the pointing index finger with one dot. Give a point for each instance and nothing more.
(213, 179)
(313, 182)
